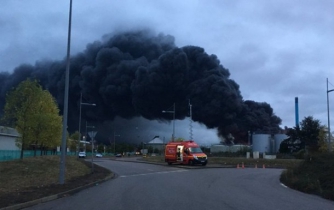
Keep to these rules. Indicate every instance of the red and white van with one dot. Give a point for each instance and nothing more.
(185, 152)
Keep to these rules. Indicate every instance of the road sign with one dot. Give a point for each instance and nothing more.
(92, 134)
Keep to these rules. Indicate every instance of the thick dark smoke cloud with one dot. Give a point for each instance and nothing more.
(140, 74)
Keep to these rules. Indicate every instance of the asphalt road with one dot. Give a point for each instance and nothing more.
(151, 187)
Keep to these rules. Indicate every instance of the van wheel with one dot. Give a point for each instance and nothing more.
(204, 164)
(169, 163)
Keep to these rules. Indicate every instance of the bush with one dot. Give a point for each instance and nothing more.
(300, 154)
(314, 175)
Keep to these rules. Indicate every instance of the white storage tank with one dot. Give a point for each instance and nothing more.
(261, 143)
(278, 140)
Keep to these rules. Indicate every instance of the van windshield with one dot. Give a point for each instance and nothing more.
(195, 150)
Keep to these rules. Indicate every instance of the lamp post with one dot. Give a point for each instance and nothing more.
(88, 104)
(172, 112)
(65, 114)
(329, 128)
(92, 136)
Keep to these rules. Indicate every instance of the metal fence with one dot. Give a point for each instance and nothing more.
(7, 155)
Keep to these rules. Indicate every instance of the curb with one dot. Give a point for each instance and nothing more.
(208, 166)
(175, 165)
(59, 195)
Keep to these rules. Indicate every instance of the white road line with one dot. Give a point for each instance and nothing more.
(283, 185)
(160, 172)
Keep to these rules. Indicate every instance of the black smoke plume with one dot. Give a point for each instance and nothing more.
(140, 74)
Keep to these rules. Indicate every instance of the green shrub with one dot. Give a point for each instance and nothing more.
(314, 175)
(300, 154)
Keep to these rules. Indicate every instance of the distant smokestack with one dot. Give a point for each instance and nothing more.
(296, 111)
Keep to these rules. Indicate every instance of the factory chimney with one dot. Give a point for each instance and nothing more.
(296, 112)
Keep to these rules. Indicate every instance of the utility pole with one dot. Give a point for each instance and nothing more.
(191, 121)
(329, 126)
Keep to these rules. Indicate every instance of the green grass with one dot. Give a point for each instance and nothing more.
(37, 177)
(37, 172)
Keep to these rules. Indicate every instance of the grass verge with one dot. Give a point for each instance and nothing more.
(313, 176)
(37, 177)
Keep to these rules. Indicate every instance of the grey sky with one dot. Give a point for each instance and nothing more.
(275, 50)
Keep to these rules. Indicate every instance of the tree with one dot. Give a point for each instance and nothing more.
(150, 149)
(309, 133)
(73, 141)
(34, 114)
(323, 137)
(100, 148)
(46, 124)
(310, 129)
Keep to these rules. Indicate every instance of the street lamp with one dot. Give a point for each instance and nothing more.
(65, 113)
(329, 128)
(92, 136)
(173, 112)
(88, 104)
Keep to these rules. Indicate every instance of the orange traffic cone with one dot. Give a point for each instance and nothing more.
(243, 165)
(263, 166)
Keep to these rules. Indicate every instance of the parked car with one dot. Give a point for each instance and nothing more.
(82, 154)
(98, 155)
(118, 155)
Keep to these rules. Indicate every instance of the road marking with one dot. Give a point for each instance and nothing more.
(160, 172)
(283, 185)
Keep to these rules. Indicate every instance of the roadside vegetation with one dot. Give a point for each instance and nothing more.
(314, 176)
(37, 177)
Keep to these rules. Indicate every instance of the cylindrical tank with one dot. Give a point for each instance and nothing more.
(261, 143)
(278, 140)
